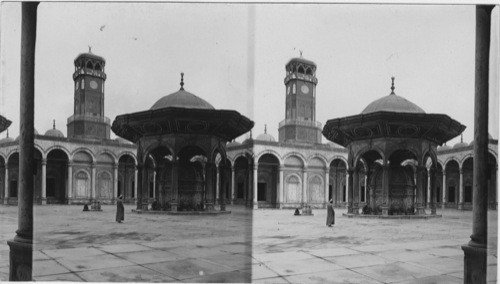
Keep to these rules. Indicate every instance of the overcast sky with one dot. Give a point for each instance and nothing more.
(235, 61)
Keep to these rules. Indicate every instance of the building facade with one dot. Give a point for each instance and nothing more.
(85, 166)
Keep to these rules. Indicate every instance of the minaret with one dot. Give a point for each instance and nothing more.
(88, 120)
(300, 123)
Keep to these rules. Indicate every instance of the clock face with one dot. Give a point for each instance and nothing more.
(93, 84)
(304, 89)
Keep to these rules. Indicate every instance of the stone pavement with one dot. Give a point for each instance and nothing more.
(261, 246)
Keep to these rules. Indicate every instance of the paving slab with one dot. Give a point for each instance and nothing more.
(292, 267)
(150, 256)
(236, 261)
(335, 276)
(395, 272)
(404, 255)
(65, 277)
(84, 263)
(331, 252)
(120, 248)
(71, 252)
(125, 274)
(352, 261)
(443, 264)
(188, 268)
(48, 267)
(270, 257)
(223, 277)
(446, 251)
(261, 271)
(439, 279)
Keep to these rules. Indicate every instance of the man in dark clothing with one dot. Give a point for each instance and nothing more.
(330, 218)
(120, 211)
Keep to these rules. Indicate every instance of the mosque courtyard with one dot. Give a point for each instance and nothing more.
(261, 246)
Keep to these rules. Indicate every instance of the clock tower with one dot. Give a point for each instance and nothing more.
(300, 123)
(88, 120)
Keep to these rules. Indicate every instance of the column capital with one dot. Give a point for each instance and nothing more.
(255, 167)
(92, 165)
(70, 163)
(44, 161)
(327, 169)
(115, 166)
(281, 168)
(349, 171)
(461, 170)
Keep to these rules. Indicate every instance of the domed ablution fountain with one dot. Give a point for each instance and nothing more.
(393, 143)
(181, 143)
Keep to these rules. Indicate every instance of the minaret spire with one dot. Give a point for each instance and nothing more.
(182, 81)
(265, 128)
(54, 124)
(392, 87)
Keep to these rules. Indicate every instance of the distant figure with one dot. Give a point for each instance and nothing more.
(120, 211)
(85, 207)
(330, 218)
(296, 212)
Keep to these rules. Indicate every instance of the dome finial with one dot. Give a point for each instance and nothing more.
(53, 124)
(462, 138)
(250, 134)
(182, 81)
(90, 49)
(7, 133)
(265, 128)
(392, 87)
(300, 53)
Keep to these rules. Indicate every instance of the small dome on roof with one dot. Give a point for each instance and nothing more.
(17, 138)
(182, 99)
(460, 145)
(393, 103)
(444, 147)
(233, 143)
(265, 137)
(54, 132)
(6, 140)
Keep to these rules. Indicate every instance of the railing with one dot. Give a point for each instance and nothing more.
(300, 122)
(89, 118)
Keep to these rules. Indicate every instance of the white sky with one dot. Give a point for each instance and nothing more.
(357, 48)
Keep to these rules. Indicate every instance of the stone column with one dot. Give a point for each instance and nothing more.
(461, 190)
(44, 181)
(222, 185)
(385, 189)
(304, 187)
(255, 186)
(155, 170)
(138, 184)
(175, 183)
(443, 205)
(217, 186)
(135, 181)
(475, 251)
(70, 182)
(93, 193)
(355, 192)
(432, 185)
(327, 185)
(428, 205)
(115, 183)
(233, 185)
(349, 191)
(21, 247)
(366, 188)
(281, 188)
(420, 208)
(6, 187)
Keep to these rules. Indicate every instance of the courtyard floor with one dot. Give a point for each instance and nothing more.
(263, 246)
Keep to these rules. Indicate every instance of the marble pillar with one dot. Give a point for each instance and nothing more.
(21, 247)
(350, 191)
(420, 208)
(281, 188)
(44, 181)
(255, 186)
(443, 205)
(355, 192)
(461, 191)
(70, 182)
(233, 185)
(385, 189)
(475, 264)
